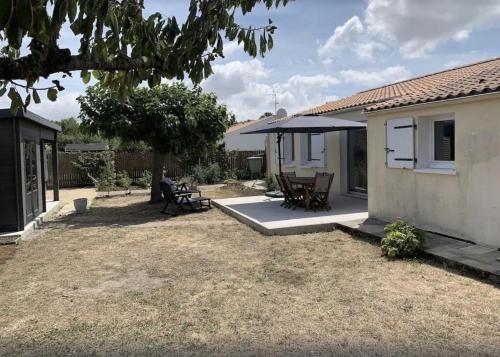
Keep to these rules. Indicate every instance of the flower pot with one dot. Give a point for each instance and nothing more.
(80, 205)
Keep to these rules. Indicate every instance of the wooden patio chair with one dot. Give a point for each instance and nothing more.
(284, 189)
(296, 193)
(182, 198)
(321, 191)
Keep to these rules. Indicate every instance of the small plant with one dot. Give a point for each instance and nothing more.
(209, 174)
(402, 240)
(106, 180)
(271, 183)
(124, 180)
(145, 180)
(93, 164)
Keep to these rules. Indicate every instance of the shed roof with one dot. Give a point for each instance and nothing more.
(476, 78)
(26, 114)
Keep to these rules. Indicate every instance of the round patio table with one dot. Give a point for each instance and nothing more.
(307, 183)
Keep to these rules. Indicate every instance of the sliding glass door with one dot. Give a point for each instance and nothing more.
(357, 161)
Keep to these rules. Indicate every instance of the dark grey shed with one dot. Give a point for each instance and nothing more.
(23, 167)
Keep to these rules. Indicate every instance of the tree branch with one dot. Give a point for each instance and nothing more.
(21, 68)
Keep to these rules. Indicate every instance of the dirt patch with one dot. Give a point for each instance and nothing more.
(123, 279)
(7, 251)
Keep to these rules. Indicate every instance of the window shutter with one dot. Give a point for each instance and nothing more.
(318, 150)
(399, 145)
(288, 148)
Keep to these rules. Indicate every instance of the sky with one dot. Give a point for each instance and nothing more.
(328, 49)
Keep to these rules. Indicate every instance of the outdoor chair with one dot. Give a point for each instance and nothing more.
(286, 192)
(321, 191)
(181, 198)
(296, 193)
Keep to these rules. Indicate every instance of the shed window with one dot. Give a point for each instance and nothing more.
(444, 140)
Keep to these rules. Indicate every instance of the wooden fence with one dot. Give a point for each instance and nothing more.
(136, 163)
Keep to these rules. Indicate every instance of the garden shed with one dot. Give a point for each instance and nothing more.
(25, 140)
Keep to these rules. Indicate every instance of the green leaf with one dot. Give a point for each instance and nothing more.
(85, 76)
(27, 101)
(52, 94)
(15, 100)
(36, 97)
(270, 42)
(72, 10)
(5, 12)
(24, 14)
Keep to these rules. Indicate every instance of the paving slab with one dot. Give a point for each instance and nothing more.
(267, 216)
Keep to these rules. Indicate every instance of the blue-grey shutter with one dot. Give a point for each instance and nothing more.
(399, 146)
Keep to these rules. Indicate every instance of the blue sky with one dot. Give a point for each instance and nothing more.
(326, 49)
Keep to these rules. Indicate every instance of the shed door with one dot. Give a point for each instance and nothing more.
(399, 146)
(32, 205)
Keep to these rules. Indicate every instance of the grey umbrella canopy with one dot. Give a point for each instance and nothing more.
(304, 124)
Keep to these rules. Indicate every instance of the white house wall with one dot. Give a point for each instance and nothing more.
(465, 205)
(234, 141)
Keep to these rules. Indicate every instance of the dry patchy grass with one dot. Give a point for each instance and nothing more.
(123, 279)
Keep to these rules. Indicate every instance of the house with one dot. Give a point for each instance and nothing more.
(24, 138)
(430, 153)
(255, 142)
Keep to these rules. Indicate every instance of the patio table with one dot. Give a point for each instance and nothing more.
(307, 183)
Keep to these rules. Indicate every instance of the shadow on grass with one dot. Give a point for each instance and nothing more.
(134, 213)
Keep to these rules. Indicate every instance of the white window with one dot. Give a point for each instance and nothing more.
(443, 144)
(313, 149)
(436, 143)
(399, 145)
(288, 142)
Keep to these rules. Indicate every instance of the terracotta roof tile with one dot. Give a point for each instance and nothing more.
(476, 78)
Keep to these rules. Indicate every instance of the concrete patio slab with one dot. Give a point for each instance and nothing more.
(266, 216)
(480, 259)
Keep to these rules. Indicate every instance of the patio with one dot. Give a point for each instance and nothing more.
(266, 216)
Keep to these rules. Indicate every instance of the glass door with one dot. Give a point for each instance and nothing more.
(31, 181)
(357, 161)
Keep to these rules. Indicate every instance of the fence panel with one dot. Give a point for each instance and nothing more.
(136, 163)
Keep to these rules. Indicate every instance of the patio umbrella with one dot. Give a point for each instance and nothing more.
(304, 124)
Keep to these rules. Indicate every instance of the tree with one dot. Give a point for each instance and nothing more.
(169, 118)
(117, 43)
(72, 133)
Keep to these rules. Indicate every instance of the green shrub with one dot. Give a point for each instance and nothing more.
(93, 164)
(145, 180)
(208, 174)
(271, 183)
(402, 240)
(106, 180)
(123, 180)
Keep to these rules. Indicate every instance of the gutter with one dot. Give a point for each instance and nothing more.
(403, 108)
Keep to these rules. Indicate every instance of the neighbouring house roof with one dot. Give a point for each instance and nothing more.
(244, 124)
(472, 79)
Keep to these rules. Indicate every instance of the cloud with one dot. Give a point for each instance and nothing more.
(388, 75)
(414, 28)
(244, 87)
(418, 27)
(232, 47)
(65, 106)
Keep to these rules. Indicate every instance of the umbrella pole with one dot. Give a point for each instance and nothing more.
(280, 135)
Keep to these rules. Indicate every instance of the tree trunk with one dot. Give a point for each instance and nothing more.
(158, 162)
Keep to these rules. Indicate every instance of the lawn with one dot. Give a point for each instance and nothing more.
(124, 279)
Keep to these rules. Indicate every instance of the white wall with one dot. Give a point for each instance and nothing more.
(234, 141)
(465, 205)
